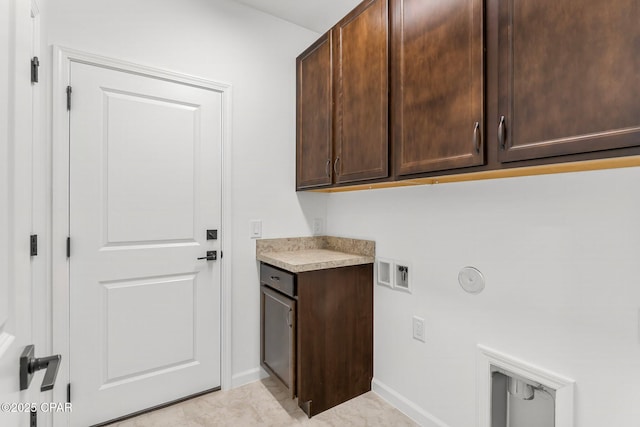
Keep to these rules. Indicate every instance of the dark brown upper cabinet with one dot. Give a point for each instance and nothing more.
(361, 94)
(568, 77)
(314, 139)
(342, 101)
(437, 84)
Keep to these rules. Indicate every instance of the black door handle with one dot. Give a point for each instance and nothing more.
(30, 365)
(211, 256)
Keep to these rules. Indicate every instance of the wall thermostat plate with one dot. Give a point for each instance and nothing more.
(471, 280)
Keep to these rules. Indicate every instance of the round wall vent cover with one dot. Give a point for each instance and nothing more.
(471, 280)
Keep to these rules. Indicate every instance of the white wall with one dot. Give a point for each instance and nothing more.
(560, 257)
(222, 41)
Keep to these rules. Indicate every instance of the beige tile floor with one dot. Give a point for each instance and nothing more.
(265, 403)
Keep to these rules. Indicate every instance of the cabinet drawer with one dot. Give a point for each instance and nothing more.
(280, 280)
(277, 336)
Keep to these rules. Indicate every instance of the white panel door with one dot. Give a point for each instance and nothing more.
(145, 185)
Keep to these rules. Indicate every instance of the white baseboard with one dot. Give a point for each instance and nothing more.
(247, 377)
(394, 398)
(406, 406)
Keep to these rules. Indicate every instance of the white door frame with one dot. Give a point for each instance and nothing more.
(16, 197)
(62, 58)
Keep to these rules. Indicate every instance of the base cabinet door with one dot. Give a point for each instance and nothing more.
(335, 336)
(437, 77)
(278, 350)
(569, 73)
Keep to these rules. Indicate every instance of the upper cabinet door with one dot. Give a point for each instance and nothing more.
(314, 115)
(569, 73)
(361, 93)
(437, 78)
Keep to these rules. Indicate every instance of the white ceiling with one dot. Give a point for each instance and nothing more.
(315, 15)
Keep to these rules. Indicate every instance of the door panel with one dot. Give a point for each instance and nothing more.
(361, 137)
(169, 306)
(437, 84)
(569, 88)
(144, 188)
(136, 188)
(278, 316)
(314, 151)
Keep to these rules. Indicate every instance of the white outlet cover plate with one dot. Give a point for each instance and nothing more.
(318, 226)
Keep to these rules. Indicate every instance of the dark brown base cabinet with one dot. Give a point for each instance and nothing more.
(333, 336)
(481, 86)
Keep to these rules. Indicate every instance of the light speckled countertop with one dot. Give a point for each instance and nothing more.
(301, 254)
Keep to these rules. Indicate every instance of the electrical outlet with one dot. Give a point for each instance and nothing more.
(402, 277)
(418, 329)
(318, 228)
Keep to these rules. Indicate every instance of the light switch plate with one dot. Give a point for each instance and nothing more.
(256, 228)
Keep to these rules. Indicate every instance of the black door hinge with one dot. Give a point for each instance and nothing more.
(68, 392)
(68, 247)
(35, 63)
(33, 418)
(34, 244)
(220, 254)
(69, 90)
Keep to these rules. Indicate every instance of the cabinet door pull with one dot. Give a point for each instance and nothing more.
(476, 136)
(327, 168)
(335, 166)
(501, 133)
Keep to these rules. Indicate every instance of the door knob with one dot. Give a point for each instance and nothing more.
(211, 256)
(30, 365)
